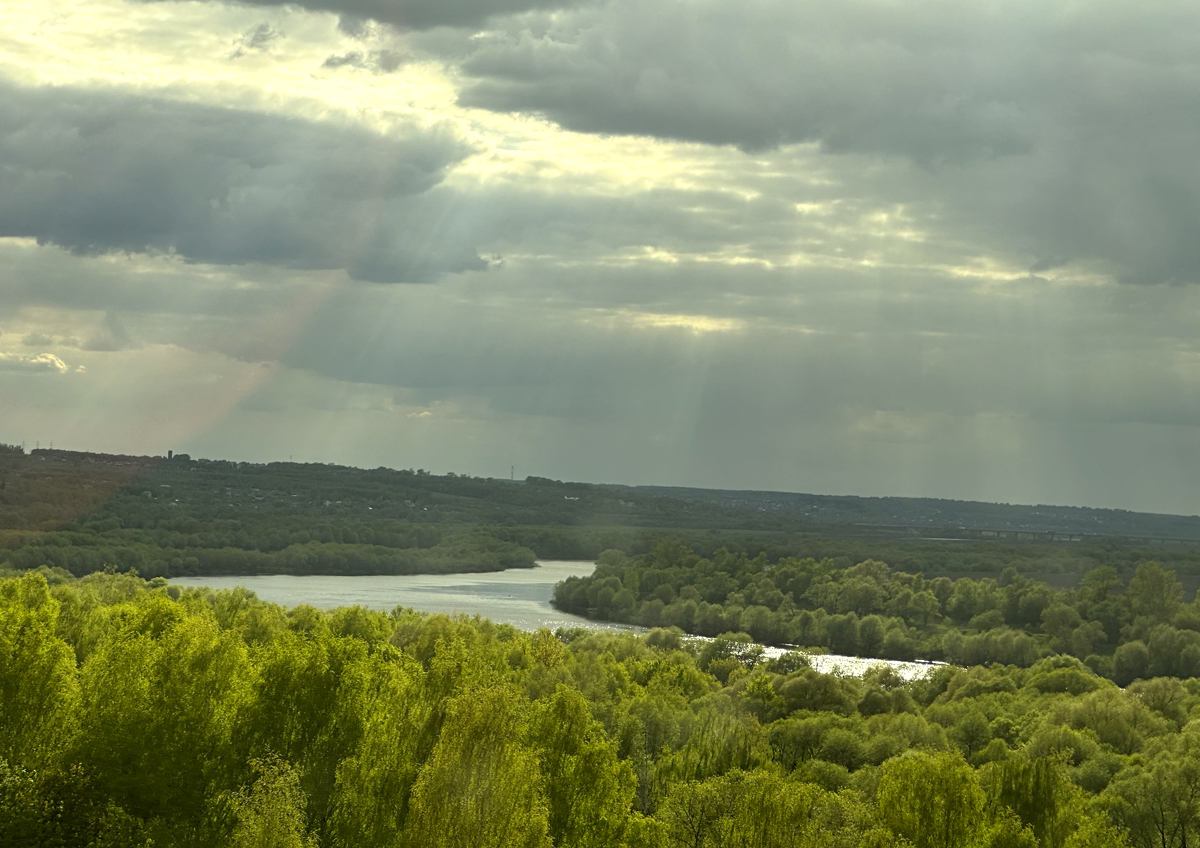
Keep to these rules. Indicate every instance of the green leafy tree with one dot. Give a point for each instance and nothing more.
(1040, 793)
(481, 788)
(1153, 591)
(271, 813)
(157, 714)
(38, 688)
(374, 784)
(589, 791)
(1158, 801)
(932, 800)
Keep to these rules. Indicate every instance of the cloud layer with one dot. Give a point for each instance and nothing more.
(1063, 133)
(940, 249)
(98, 172)
(414, 14)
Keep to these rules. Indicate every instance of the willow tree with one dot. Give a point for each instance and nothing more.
(482, 786)
(38, 688)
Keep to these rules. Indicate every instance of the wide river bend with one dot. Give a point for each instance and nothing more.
(517, 596)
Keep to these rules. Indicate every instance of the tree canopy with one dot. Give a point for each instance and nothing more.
(139, 714)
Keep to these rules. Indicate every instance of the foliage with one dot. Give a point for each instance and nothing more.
(202, 718)
(1128, 633)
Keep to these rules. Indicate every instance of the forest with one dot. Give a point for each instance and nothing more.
(1121, 629)
(183, 516)
(138, 713)
(141, 713)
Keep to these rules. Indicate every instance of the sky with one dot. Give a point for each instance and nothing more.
(941, 248)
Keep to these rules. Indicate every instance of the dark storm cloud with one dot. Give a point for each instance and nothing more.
(101, 172)
(916, 79)
(1059, 135)
(414, 14)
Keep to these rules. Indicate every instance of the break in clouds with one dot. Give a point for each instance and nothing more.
(943, 249)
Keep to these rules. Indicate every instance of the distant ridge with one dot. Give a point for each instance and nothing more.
(83, 479)
(939, 513)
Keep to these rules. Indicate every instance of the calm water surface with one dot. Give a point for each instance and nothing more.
(518, 596)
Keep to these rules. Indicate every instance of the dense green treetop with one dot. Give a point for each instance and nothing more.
(137, 713)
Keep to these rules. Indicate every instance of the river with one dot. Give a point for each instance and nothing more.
(517, 596)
